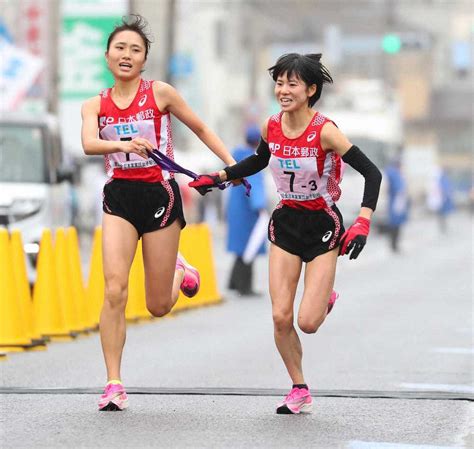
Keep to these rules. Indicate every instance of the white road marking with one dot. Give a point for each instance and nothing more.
(439, 387)
(464, 330)
(454, 350)
(379, 445)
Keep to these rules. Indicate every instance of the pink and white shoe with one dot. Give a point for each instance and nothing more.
(191, 280)
(332, 300)
(298, 400)
(114, 398)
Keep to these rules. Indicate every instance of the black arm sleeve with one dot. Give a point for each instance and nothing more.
(360, 162)
(250, 165)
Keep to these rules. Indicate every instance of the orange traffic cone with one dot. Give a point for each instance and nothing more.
(95, 286)
(49, 318)
(23, 289)
(13, 332)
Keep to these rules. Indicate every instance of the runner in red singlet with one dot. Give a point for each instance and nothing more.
(305, 152)
(140, 199)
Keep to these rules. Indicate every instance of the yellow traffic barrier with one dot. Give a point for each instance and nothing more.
(196, 247)
(77, 282)
(64, 282)
(13, 333)
(48, 313)
(95, 285)
(23, 288)
(209, 292)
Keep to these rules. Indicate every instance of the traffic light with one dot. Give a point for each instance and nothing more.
(391, 43)
(394, 43)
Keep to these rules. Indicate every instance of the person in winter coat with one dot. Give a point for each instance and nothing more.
(398, 203)
(246, 220)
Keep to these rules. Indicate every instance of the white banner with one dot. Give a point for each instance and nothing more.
(93, 8)
(18, 72)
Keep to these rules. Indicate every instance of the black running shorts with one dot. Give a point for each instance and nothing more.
(306, 233)
(148, 206)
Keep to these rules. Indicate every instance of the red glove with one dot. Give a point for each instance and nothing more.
(355, 238)
(204, 183)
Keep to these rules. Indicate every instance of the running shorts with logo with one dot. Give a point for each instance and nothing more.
(304, 232)
(148, 206)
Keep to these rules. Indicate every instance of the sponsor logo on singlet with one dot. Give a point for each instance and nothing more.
(126, 129)
(274, 147)
(289, 164)
(142, 100)
(311, 136)
(105, 121)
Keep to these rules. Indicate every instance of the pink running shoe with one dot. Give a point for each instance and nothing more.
(113, 399)
(332, 300)
(298, 400)
(191, 280)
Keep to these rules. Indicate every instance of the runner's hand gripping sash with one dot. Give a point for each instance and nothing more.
(205, 183)
(355, 238)
(168, 164)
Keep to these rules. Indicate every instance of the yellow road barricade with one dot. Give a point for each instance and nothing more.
(48, 311)
(23, 289)
(61, 307)
(14, 335)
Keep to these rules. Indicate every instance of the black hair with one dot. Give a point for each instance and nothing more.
(133, 22)
(307, 68)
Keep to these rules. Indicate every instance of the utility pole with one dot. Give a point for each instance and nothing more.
(161, 17)
(52, 82)
(254, 37)
(170, 38)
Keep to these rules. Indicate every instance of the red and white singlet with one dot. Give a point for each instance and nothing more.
(305, 175)
(141, 119)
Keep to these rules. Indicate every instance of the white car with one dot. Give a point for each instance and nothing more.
(35, 187)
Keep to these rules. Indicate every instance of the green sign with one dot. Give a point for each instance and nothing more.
(391, 43)
(84, 71)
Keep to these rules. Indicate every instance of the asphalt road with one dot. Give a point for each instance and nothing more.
(391, 368)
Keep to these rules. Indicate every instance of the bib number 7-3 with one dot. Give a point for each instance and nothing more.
(292, 175)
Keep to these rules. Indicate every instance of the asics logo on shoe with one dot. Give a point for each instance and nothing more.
(142, 100)
(160, 212)
(327, 236)
(311, 136)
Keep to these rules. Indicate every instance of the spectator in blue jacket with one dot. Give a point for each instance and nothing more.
(398, 202)
(440, 197)
(247, 221)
